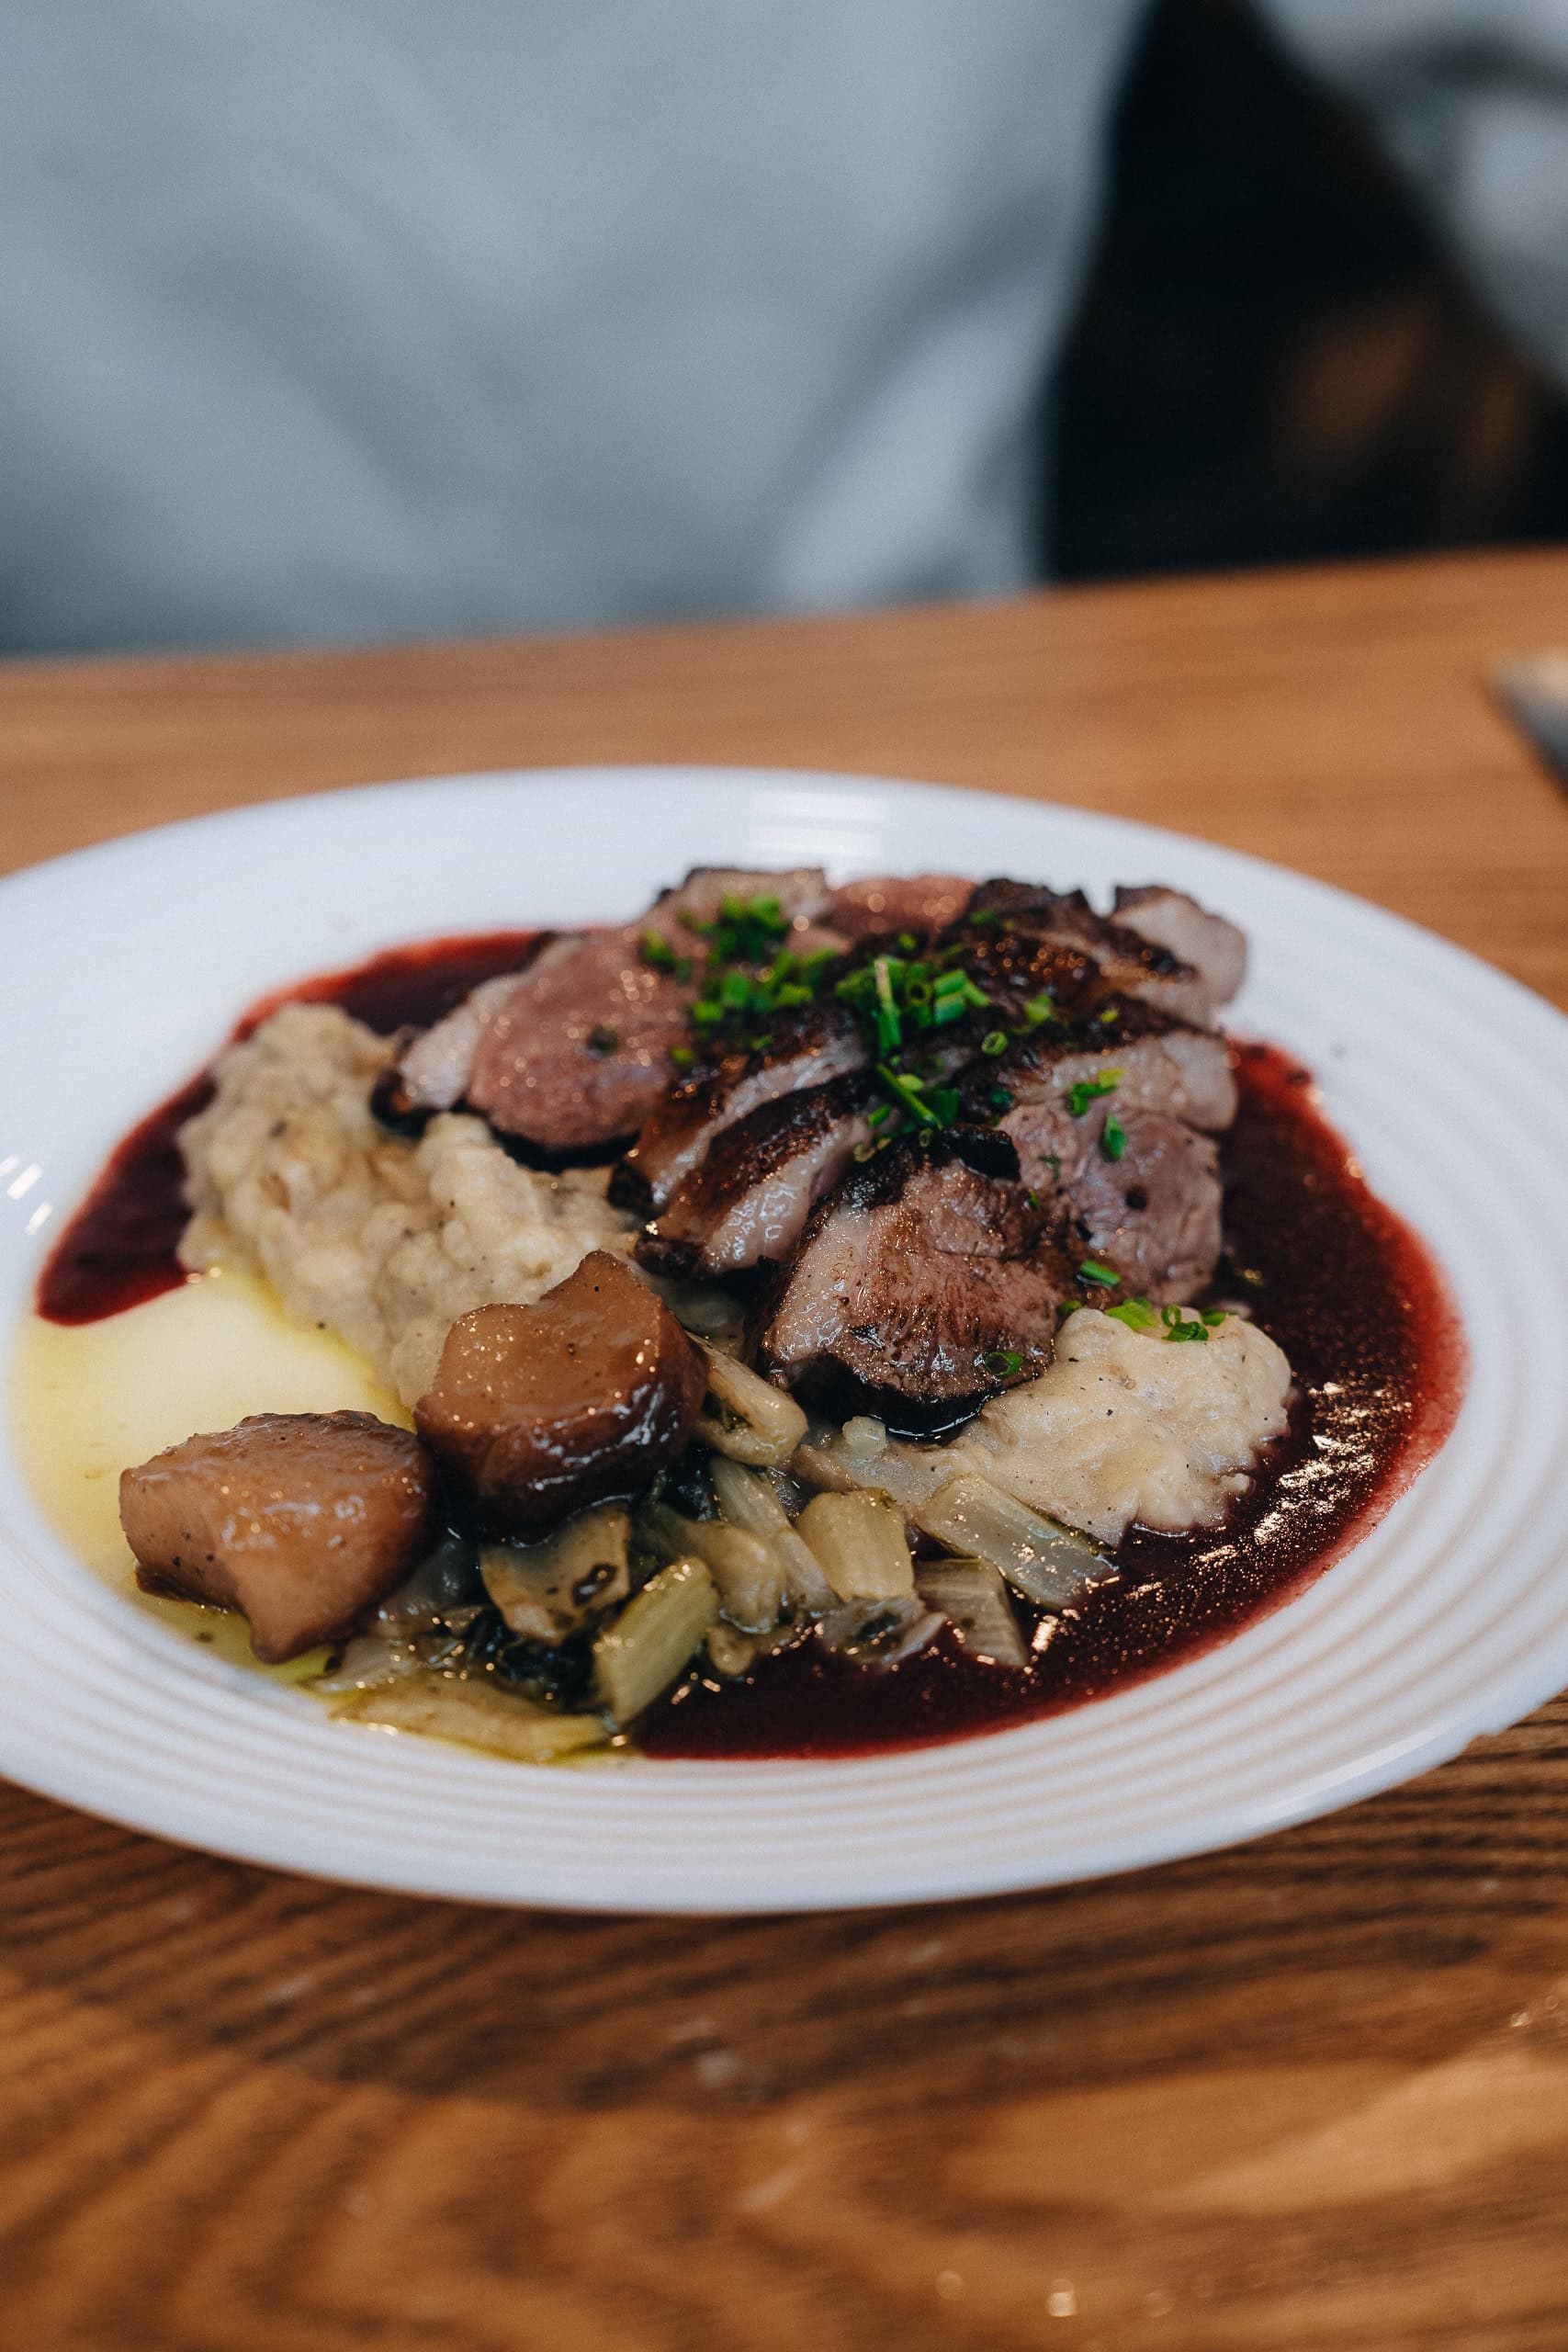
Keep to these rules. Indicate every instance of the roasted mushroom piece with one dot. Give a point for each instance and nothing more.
(539, 1411)
(301, 1520)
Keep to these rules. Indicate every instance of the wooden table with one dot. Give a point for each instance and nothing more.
(1309, 2094)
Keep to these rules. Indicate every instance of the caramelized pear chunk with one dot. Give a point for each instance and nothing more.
(300, 1521)
(539, 1411)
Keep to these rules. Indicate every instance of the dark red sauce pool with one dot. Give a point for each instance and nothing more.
(1346, 1290)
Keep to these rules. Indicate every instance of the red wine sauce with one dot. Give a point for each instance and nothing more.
(1346, 1290)
(1364, 1315)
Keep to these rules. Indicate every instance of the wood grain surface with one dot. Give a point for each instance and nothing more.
(1310, 2096)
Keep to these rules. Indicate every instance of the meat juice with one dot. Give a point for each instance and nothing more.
(1342, 1285)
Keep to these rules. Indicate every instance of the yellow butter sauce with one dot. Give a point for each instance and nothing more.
(89, 1399)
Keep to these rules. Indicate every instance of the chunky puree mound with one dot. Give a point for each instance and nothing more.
(1124, 1426)
(385, 1241)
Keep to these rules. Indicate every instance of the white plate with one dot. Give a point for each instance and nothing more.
(127, 964)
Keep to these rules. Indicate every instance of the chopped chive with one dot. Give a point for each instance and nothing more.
(907, 1091)
(1211, 1316)
(943, 1100)
(889, 1030)
(1039, 1008)
(999, 1097)
(1002, 1363)
(993, 1042)
(1034, 1199)
(1114, 1137)
(1136, 1313)
(682, 1057)
(947, 1009)
(657, 951)
(873, 1119)
(1092, 1270)
(907, 942)
(1090, 1090)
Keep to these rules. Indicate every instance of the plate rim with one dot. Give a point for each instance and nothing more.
(1390, 1767)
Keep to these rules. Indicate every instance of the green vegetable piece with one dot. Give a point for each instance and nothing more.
(1136, 1313)
(1114, 1137)
(1002, 1363)
(993, 1042)
(1090, 1090)
(1092, 1270)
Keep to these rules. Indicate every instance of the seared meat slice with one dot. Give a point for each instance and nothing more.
(802, 891)
(539, 1411)
(750, 1197)
(431, 1072)
(1128, 963)
(889, 903)
(301, 1520)
(573, 1055)
(911, 1275)
(807, 1047)
(1213, 947)
(1143, 1192)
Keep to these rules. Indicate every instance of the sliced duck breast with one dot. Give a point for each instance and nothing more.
(807, 1045)
(919, 1284)
(572, 1056)
(1128, 964)
(1212, 946)
(886, 904)
(1117, 1129)
(751, 1195)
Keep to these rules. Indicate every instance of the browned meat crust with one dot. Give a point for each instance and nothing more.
(751, 1195)
(807, 1047)
(301, 1520)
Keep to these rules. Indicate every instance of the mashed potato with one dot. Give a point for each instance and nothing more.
(1126, 1426)
(383, 1240)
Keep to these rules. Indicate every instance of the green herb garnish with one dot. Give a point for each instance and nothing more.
(1002, 1363)
(1114, 1137)
(1092, 1270)
(1136, 1313)
(1090, 1090)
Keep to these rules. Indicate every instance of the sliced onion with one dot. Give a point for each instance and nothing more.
(445, 1579)
(748, 1572)
(546, 1592)
(744, 1417)
(973, 1596)
(1049, 1565)
(370, 1661)
(749, 1499)
(859, 1543)
(477, 1714)
(642, 1650)
(880, 1633)
(906, 1474)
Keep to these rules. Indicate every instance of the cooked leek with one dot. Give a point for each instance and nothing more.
(1049, 1565)
(751, 1500)
(547, 1590)
(475, 1713)
(643, 1649)
(880, 1633)
(858, 1541)
(745, 1418)
(748, 1573)
(973, 1596)
(906, 1474)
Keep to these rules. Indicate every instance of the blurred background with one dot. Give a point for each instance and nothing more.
(347, 320)
(1300, 375)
